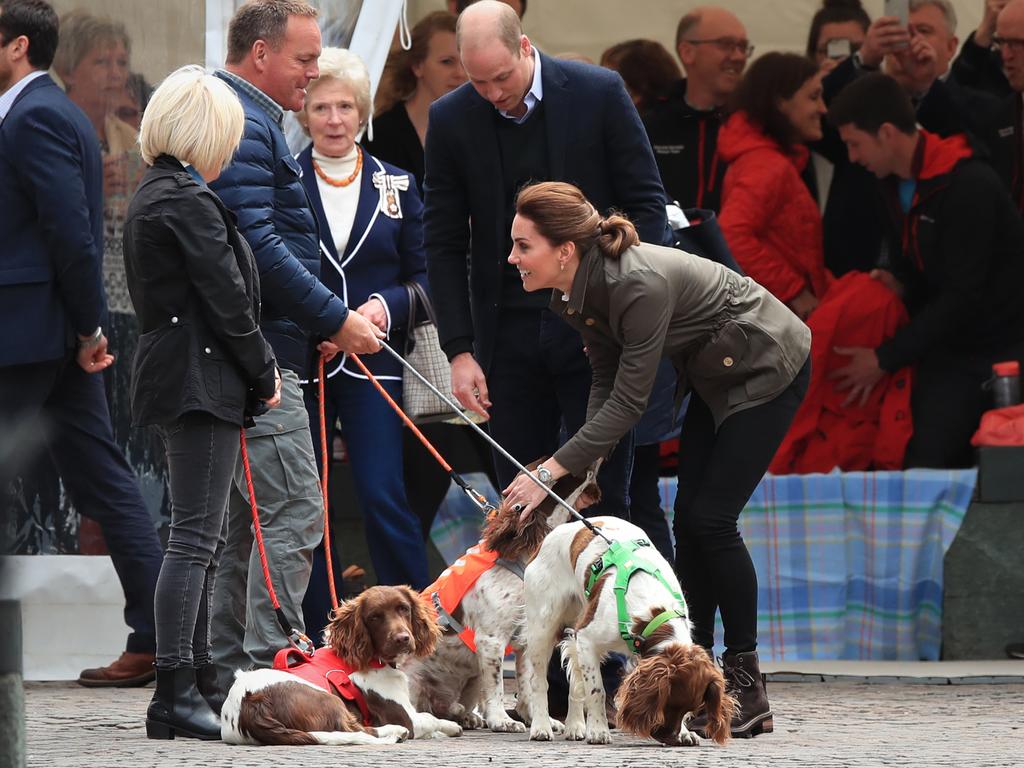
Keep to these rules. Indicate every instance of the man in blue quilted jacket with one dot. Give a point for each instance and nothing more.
(273, 47)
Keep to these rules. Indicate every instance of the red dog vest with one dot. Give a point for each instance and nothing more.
(328, 671)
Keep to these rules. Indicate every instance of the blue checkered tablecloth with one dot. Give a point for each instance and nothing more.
(849, 564)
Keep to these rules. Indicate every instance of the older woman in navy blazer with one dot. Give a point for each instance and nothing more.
(371, 239)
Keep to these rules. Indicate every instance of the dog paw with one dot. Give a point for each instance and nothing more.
(575, 731)
(557, 727)
(507, 726)
(541, 734)
(599, 737)
(688, 739)
(393, 733)
(449, 728)
(470, 721)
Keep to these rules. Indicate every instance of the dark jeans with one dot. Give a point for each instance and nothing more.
(539, 383)
(55, 405)
(718, 471)
(201, 454)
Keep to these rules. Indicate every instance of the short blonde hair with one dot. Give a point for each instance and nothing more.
(193, 116)
(341, 65)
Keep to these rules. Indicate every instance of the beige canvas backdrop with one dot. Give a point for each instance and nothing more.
(590, 26)
(165, 34)
(168, 33)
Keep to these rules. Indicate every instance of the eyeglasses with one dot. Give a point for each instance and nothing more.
(727, 45)
(1015, 44)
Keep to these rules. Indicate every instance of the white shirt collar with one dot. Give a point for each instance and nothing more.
(11, 94)
(533, 96)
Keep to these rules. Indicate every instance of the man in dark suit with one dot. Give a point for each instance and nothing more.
(524, 117)
(51, 308)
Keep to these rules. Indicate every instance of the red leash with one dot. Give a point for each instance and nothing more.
(478, 498)
(296, 638)
(325, 471)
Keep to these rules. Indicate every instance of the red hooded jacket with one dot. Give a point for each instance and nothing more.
(768, 216)
(857, 311)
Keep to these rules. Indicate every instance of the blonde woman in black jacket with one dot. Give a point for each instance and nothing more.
(202, 366)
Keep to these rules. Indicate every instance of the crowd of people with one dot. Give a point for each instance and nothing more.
(869, 190)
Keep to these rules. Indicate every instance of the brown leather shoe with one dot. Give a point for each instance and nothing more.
(128, 671)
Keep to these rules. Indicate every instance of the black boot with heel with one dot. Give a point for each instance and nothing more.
(179, 709)
(208, 684)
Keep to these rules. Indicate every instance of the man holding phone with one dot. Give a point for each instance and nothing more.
(917, 54)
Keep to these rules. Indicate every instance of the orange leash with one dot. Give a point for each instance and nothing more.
(477, 498)
(296, 638)
(325, 471)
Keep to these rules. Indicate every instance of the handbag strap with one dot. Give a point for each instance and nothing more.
(418, 296)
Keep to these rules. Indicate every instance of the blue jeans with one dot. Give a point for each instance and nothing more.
(372, 432)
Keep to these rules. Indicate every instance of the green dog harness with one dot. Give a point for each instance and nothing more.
(622, 556)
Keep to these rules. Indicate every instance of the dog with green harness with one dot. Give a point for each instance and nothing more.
(606, 589)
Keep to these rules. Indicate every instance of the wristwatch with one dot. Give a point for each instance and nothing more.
(544, 475)
(92, 340)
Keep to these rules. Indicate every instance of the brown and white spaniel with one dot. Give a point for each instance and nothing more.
(671, 678)
(356, 695)
(466, 685)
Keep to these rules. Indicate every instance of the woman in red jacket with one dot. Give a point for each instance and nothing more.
(769, 217)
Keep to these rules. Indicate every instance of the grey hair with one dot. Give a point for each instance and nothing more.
(343, 66)
(948, 12)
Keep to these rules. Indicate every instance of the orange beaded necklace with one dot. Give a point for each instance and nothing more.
(341, 182)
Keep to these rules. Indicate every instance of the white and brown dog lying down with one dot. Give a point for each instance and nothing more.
(488, 618)
(672, 678)
(368, 637)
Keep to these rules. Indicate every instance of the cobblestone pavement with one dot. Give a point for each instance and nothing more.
(816, 724)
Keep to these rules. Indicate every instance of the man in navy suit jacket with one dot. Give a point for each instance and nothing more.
(524, 117)
(51, 306)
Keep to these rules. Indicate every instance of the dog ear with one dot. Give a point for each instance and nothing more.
(642, 696)
(719, 707)
(425, 629)
(350, 637)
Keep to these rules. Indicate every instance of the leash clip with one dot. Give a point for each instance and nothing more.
(301, 642)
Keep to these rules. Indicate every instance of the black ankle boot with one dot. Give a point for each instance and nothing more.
(743, 679)
(209, 687)
(178, 709)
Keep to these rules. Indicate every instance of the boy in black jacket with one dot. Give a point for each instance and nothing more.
(956, 243)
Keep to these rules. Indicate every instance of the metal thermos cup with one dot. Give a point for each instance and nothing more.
(1006, 384)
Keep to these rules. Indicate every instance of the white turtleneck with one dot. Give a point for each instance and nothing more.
(339, 202)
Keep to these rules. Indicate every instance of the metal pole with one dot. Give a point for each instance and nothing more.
(458, 411)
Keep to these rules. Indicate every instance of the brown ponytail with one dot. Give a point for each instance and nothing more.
(562, 214)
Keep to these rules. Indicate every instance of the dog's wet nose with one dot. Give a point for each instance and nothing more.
(402, 639)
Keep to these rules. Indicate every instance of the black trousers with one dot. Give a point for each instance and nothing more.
(718, 471)
(539, 384)
(57, 406)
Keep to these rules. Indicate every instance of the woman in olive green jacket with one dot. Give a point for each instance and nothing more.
(742, 352)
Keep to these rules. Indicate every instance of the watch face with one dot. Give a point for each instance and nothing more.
(544, 475)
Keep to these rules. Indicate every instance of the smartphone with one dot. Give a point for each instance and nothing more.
(898, 8)
(838, 48)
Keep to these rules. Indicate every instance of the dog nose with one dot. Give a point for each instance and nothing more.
(403, 639)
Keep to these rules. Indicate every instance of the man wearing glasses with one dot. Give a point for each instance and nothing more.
(713, 47)
(995, 63)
